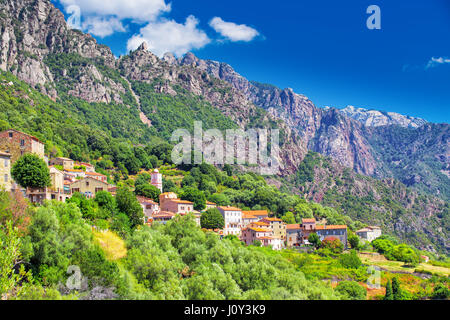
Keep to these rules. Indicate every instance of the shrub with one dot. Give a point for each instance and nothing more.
(351, 290)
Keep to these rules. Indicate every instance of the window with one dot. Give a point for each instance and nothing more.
(6, 163)
(10, 134)
(22, 143)
(87, 183)
(6, 178)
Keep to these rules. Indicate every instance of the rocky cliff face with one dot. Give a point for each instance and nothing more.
(363, 140)
(324, 131)
(375, 118)
(30, 31)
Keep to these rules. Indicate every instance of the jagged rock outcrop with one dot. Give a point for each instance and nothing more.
(375, 118)
(33, 29)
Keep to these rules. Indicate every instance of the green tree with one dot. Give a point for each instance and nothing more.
(353, 239)
(168, 185)
(314, 240)
(106, 201)
(195, 196)
(30, 171)
(288, 218)
(10, 255)
(129, 205)
(351, 290)
(212, 219)
(350, 260)
(396, 290)
(441, 292)
(389, 295)
(148, 191)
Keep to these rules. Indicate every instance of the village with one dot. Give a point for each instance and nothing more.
(69, 177)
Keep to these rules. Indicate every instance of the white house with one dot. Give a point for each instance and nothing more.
(233, 220)
(369, 233)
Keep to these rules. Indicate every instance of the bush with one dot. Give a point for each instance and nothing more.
(350, 260)
(351, 290)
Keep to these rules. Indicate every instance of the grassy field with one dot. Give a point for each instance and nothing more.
(382, 262)
(112, 244)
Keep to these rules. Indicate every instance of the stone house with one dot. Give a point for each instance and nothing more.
(293, 234)
(264, 235)
(98, 176)
(89, 167)
(169, 201)
(163, 216)
(18, 143)
(278, 227)
(337, 231)
(308, 226)
(89, 186)
(369, 233)
(5, 171)
(73, 174)
(248, 218)
(65, 163)
(149, 206)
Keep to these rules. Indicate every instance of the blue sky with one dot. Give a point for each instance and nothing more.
(321, 48)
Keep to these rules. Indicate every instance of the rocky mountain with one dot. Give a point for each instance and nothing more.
(140, 97)
(420, 160)
(375, 118)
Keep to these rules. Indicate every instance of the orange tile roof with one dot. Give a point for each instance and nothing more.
(145, 200)
(272, 219)
(260, 223)
(181, 201)
(95, 174)
(245, 215)
(308, 220)
(73, 170)
(259, 229)
(210, 203)
(265, 238)
(331, 227)
(163, 214)
(256, 212)
(293, 226)
(230, 208)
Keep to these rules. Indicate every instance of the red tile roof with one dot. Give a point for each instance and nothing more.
(293, 226)
(312, 220)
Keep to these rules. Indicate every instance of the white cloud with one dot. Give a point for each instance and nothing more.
(169, 36)
(434, 62)
(137, 10)
(102, 27)
(233, 31)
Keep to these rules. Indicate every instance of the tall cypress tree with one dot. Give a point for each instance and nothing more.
(396, 291)
(389, 295)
